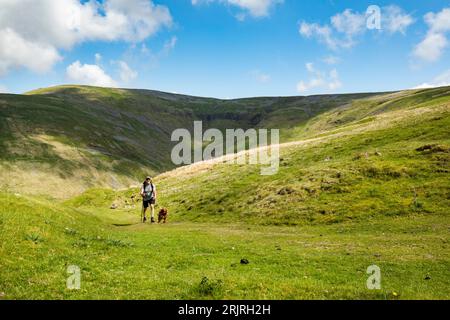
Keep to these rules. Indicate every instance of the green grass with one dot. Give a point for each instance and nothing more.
(170, 261)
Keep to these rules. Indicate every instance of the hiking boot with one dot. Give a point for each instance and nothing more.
(145, 219)
(153, 220)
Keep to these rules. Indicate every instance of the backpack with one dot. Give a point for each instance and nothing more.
(148, 195)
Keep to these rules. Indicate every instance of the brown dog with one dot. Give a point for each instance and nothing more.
(162, 216)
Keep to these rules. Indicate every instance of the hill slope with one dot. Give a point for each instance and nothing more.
(97, 137)
(390, 158)
(112, 137)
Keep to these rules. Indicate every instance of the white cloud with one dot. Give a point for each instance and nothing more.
(344, 28)
(438, 22)
(89, 74)
(340, 34)
(126, 73)
(310, 67)
(442, 80)
(349, 22)
(396, 20)
(256, 8)
(43, 27)
(328, 81)
(323, 33)
(95, 75)
(16, 51)
(435, 42)
(169, 45)
(98, 58)
(331, 60)
(260, 76)
(432, 47)
(334, 82)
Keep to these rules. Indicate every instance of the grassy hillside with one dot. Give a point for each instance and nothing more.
(366, 168)
(363, 180)
(99, 137)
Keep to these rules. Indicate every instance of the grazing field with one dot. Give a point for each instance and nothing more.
(122, 259)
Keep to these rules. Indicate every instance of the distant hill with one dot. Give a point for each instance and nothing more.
(63, 140)
(112, 137)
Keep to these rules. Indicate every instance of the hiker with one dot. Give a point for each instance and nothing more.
(148, 193)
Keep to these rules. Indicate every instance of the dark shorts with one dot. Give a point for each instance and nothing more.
(147, 203)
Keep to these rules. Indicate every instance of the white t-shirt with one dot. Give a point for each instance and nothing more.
(148, 189)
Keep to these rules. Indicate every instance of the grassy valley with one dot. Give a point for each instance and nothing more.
(363, 180)
(99, 137)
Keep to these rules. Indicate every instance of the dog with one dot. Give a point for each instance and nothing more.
(162, 216)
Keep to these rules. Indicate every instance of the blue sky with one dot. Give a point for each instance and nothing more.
(225, 48)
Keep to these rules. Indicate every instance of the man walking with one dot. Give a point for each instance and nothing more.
(148, 193)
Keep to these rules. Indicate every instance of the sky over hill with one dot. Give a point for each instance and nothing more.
(225, 48)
